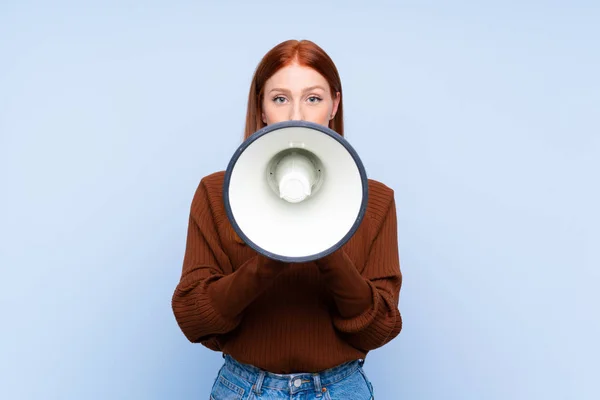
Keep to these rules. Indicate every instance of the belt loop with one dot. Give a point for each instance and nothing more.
(257, 387)
(317, 382)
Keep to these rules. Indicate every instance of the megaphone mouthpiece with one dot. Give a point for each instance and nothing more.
(296, 176)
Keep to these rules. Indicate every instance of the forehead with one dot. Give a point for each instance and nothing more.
(295, 76)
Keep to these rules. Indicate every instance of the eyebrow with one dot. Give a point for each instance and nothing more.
(305, 90)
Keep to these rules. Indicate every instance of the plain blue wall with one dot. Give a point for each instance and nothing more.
(483, 117)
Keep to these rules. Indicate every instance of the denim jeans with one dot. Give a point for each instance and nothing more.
(237, 381)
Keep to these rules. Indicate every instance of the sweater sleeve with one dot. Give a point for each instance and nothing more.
(367, 301)
(210, 297)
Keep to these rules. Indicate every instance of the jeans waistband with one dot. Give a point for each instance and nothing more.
(295, 382)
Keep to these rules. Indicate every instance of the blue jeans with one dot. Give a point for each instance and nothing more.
(237, 381)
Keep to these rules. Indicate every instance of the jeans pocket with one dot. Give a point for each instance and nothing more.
(224, 389)
(368, 382)
(354, 386)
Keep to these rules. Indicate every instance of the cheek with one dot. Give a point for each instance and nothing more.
(271, 113)
(320, 114)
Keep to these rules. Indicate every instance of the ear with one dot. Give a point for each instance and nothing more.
(264, 119)
(336, 103)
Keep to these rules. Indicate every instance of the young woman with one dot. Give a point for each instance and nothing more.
(290, 331)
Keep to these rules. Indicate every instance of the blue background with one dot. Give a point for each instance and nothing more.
(482, 116)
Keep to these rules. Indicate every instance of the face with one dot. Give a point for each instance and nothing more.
(298, 93)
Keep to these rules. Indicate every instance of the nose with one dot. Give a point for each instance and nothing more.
(296, 113)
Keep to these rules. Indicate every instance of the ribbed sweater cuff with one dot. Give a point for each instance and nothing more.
(208, 307)
(227, 296)
(351, 291)
(363, 320)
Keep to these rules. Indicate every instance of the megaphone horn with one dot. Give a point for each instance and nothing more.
(295, 191)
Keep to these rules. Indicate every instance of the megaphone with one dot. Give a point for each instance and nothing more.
(295, 191)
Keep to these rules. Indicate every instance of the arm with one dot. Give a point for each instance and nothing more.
(210, 298)
(367, 301)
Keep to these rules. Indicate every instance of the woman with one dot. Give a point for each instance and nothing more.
(290, 331)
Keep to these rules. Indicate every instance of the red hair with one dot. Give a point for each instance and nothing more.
(305, 53)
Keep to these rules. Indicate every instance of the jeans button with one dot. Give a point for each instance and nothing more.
(297, 382)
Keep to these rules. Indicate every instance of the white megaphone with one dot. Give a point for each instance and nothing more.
(295, 191)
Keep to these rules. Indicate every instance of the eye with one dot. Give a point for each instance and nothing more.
(314, 99)
(279, 99)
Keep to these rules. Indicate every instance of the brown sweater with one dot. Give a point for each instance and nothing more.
(287, 318)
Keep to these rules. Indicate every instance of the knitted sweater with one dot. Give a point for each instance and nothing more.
(288, 318)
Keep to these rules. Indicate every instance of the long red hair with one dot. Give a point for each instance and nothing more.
(305, 53)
